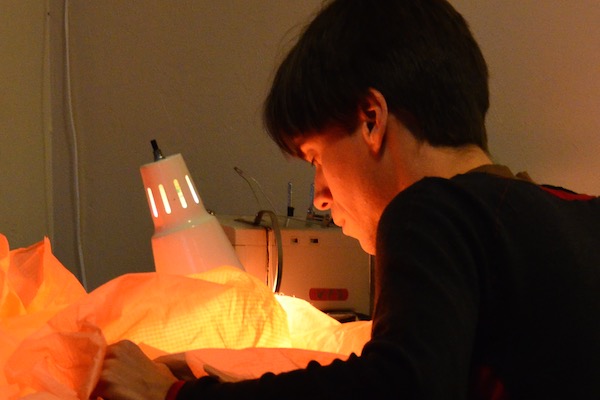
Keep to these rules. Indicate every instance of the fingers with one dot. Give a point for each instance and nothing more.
(127, 373)
(177, 365)
(123, 348)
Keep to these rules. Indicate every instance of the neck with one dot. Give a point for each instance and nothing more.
(413, 160)
(447, 162)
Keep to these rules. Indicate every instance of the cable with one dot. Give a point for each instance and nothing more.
(277, 232)
(247, 179)
(74, 151)
(47, 126)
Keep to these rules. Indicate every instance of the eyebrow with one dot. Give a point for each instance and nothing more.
(297, 144)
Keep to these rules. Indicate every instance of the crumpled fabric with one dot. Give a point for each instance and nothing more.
(311, 329)
(252, 363)
(34, 286)
(53, 335)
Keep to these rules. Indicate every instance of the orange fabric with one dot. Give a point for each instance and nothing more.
(34, 286)
(53, 335)
(232, 365)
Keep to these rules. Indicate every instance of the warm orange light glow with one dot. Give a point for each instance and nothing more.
(191, 186)
(179, 193)
(164, 198)
(152, 203)
(58, 334)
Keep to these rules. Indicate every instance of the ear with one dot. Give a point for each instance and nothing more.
(374, 117)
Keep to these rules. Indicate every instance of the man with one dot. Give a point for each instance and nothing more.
(487, 284)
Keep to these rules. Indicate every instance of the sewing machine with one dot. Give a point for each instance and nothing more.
(313, 261)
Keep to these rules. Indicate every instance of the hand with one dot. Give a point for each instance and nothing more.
(178, 366)
(127, 374)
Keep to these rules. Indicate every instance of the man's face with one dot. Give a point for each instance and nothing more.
(346, 183)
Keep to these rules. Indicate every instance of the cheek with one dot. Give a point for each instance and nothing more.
(347, 177)
(342, 190)
(348, 187)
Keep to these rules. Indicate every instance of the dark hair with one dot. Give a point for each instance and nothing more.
(420, 54)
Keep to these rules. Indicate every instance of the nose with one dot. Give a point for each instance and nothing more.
(322, 197)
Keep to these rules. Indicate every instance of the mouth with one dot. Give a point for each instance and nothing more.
(346, 228)
(342, 224)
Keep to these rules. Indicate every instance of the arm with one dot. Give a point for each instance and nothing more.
(424, 324)
(431, 252)
(425, 319)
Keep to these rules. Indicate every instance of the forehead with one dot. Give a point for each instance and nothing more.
(310, 146)
(317, 141)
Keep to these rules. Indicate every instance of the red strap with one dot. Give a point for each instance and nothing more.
(489, 386)
(174, 390)
(567, 195)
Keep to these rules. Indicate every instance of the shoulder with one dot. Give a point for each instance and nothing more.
(463, 191)
(469, 205)
(437, 210)
(484, 202)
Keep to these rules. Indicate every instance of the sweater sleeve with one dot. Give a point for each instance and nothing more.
(433, 246)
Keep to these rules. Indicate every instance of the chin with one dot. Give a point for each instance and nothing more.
(367, 246)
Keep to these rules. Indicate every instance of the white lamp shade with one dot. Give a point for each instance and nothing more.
(187, 239)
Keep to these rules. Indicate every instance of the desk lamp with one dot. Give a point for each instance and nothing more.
(187, 239)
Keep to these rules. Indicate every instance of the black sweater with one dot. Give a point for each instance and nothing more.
(487, 287)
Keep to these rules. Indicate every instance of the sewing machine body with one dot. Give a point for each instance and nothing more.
(319, 263)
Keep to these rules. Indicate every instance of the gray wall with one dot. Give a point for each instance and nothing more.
(25, 152)
(193, 74)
